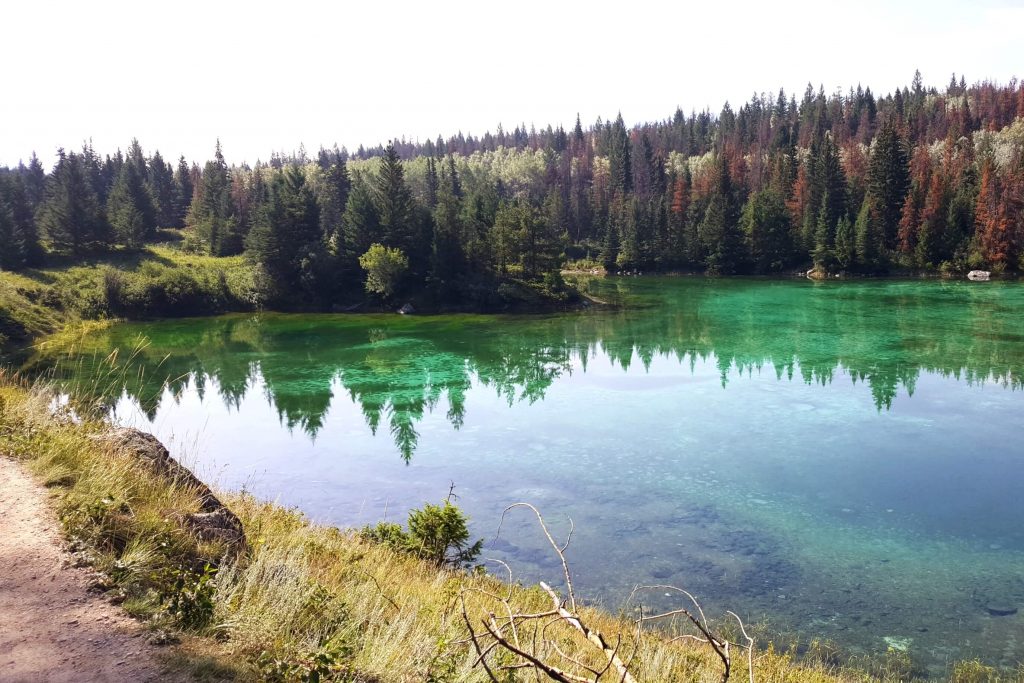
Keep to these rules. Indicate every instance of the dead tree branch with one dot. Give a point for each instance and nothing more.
(537, 639)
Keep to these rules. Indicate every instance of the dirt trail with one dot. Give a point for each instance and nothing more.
(51, 628)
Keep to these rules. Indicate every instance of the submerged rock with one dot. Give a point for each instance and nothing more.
(898, 644)
(999, 609)
(979, 275)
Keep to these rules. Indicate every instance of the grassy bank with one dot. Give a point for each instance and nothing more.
(165, 281)
(308, 602)
(158, 281)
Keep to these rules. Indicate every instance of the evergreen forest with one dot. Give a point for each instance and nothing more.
(921, 179)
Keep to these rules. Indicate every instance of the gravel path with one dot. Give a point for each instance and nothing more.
(52, 629)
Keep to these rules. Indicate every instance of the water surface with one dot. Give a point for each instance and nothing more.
(835, 460)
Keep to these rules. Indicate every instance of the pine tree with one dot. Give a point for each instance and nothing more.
(506, 236)
(160, 179)
(888, 180)
(183, 191)
(396, 209)
(361, 224)
(130, 206)
(934, 244)
(869, 237)
(211, 215)
(286, 238)
(768, 231)
(719, 231)
(992, 220)
(677, 219)
(70, 214)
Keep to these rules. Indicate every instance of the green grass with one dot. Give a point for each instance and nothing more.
(23, 315)
(158, 281)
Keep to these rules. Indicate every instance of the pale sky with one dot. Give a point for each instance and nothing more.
(267, 76)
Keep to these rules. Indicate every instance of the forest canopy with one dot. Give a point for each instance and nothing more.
(919, 179)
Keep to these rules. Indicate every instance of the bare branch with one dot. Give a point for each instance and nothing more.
(559, 550)
(381, 590)
(481, 656)
(750, 645)
(553, 672)
(513, 628)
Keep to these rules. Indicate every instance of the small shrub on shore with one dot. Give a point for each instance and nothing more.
(437, 534)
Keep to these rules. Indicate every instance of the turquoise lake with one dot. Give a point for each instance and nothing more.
(837, 460)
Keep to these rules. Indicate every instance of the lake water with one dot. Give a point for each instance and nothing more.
(831, 460)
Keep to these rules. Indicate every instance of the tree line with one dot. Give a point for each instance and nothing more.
(921, 178)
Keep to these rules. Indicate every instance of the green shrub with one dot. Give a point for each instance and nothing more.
(190, 600)
(329, 662)
(437, 533)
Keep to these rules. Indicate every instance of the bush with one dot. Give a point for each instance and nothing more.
(190, 600)
(384, 268)
(437, 533)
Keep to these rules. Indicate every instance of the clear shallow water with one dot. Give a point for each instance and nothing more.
(838, 460)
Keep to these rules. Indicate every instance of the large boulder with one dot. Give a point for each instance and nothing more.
(214, 521)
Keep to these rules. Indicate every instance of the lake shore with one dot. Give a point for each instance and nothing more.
(338, 604)
(833, 658)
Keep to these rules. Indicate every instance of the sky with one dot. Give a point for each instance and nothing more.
(269, 76)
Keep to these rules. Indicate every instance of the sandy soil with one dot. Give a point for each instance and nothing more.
(52, 629)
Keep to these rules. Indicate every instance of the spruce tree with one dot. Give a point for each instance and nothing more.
(628, 223)
(361, 224)
(395, 206)
(19, 243)
(888, 179)
(211, 215)
(619, 158)
(286, 238)
(332, 196)
(70, 214)
(719, 231)
(446, 256)
(869, 237)
(183, 191)
(768, 231)
(130, 207)
(160, 179)
(846, 244)
(35, 182)
(13, 249)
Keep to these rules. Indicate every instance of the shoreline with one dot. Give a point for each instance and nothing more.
(63, 455)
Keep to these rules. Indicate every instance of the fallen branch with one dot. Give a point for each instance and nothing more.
(506, 633)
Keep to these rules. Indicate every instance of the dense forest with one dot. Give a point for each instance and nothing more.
(920, 179)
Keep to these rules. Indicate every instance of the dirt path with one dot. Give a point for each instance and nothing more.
(51, 628)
